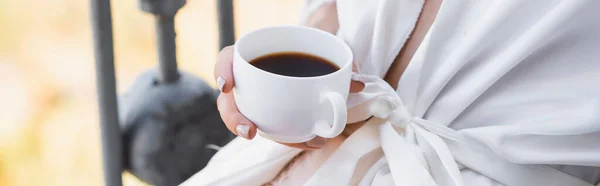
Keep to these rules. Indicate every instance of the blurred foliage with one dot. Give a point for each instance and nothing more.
(49, 133)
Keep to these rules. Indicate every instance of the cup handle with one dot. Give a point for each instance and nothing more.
(338, 103)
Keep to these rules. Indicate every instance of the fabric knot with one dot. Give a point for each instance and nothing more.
(400, 117)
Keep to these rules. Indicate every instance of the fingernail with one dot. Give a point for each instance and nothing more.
(317, 142)
(243, 131)
(220, 83)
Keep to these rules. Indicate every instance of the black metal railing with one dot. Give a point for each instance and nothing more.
(105, 71)
(226, 24)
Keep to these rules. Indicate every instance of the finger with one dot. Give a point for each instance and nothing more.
(313, 144)
(356, 86)
(233, 119)
(223, 70)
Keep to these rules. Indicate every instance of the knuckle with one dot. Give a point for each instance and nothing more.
(226, 49)
(220, 102)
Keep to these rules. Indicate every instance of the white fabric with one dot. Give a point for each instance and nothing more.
(500, 92)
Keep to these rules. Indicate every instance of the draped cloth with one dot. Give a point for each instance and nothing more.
(499, 92)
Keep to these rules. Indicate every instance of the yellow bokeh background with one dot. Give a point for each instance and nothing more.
(49, 129)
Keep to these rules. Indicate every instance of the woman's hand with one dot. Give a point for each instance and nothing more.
(234, 120)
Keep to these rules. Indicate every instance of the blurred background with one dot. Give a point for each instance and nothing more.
(49, 129)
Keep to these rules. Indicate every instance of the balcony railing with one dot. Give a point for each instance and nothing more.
(164, 11)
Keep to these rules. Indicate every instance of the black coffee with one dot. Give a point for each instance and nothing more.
(295, 64)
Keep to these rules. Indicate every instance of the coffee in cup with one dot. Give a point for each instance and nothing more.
(294, 64)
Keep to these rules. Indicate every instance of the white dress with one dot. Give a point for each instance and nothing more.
(500, 92)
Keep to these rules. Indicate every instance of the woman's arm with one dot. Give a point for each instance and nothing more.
(324, 18)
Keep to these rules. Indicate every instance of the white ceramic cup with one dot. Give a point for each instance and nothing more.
(292, 109)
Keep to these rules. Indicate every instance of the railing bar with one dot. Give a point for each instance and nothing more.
(167, 55)
(106, 88)
(226, 23)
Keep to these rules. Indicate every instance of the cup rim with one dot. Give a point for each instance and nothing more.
(345, 47)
